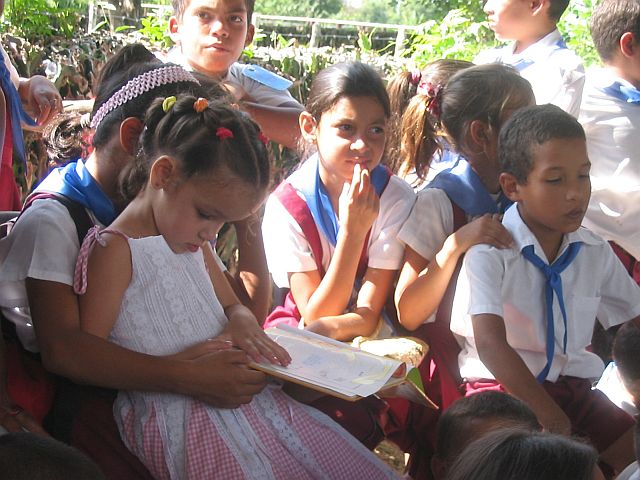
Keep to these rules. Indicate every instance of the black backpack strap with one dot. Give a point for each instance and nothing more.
(76, 210)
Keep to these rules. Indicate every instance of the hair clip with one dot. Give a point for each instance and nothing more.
(263, 138)
(434, 95)
(416, 76)
(168, 103)
(200, 104)
(223, 132)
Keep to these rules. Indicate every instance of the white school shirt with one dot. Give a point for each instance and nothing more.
(502, 282)
(42, 245)
(612, 127)
(259, 93)
(288, 250)
(555, 74)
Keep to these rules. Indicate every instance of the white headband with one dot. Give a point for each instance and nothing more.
(139, 85)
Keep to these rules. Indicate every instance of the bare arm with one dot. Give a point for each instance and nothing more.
(423, 283)
(243, 329)
(329, 296)
(252, 282)
(279, 124)
(205, 371)
(364, 317)
(510, 371)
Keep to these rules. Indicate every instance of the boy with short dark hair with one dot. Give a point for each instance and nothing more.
(470, 418)
(610, 114)
(538, 51)
(211, 35)
(532, 308)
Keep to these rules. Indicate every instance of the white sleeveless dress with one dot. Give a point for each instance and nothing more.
(170, 305)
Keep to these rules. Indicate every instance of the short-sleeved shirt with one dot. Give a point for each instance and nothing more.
(556, 73)
(612, 127)
(502, 282)
(42, 245)
(260, 93)
(288, 250)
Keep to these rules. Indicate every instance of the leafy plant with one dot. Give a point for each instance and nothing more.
(458, 35)
(43, 18)
(155, 28)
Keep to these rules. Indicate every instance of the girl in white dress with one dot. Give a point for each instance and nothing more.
(152, 285)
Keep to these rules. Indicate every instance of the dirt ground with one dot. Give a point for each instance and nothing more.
(391, 454)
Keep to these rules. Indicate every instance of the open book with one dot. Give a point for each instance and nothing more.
(337, 369)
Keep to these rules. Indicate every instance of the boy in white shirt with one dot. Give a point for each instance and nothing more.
(211, 35)
(533, 307)
(538, 52)
(610, 115)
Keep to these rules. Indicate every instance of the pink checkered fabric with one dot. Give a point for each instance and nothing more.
(334, 452)
(142, 84)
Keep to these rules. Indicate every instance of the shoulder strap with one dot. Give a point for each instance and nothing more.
(77, 211)
(300, 212)
(459, 217)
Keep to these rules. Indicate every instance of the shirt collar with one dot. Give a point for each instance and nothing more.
(536, 52)
(522, 236)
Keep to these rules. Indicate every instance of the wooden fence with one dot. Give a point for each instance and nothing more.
(316, 37)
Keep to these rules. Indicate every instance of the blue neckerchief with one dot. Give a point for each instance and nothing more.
(318, 199)
(553, 284)
(14, 105)
(623, 92)
(75, 182)
(463, 186)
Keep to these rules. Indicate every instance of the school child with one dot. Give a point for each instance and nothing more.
(443, 224)
(200, 164)
(532, 308)
(330, 233)
(416, 158)
(37, 95)
(340, 280)
(470, 418)
(538, 51)
(610, 115)
(210, 36)
(625, 354)
(37, 267)
(515, 454)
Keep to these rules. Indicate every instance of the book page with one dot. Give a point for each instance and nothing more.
(331, 364)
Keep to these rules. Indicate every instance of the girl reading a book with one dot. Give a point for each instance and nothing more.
(149, 282)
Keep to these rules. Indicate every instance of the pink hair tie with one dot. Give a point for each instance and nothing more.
(434, 97)
(263, 138)
(223, 132)
(416, 75)
(140, 85)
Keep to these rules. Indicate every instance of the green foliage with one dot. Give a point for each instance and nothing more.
(299, 8)
(43, 18)
(574, 26)
(155, 27)
(456, 36)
